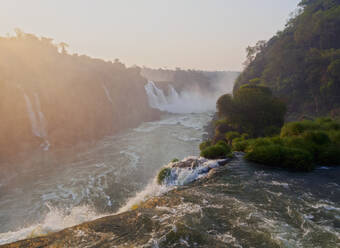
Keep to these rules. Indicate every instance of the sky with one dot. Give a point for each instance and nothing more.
(190, 34)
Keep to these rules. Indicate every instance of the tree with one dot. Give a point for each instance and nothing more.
(300, 62)
(63, 47)
(253, 51)
(253, 109)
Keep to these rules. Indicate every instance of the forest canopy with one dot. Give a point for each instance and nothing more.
(301, 63)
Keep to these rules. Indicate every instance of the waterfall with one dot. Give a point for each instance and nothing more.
(37, 118)
(41, 117)
(107, 93)
(183, 102)
(156, 96)
(32, 116)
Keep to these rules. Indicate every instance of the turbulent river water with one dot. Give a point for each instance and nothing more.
(242, 205)
(96, 182)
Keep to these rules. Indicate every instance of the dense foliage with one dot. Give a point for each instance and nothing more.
(252, 109)
(220, 150)
(300, 146)
(302, 62)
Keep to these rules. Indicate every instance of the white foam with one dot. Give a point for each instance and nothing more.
(178, 177)
(133, 157)
(181, 176)
(183, 102)
(151, 190)
(54, 221)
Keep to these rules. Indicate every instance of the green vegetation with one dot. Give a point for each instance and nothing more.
(281, 156)
(164, 173)
(300, 145)
(298, 71)
(175, 160)
(205, 144)
(301, 63)
(230, 136)
(252, 110)
(220, 150)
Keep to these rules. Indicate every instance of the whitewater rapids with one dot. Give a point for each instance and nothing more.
(96, 182)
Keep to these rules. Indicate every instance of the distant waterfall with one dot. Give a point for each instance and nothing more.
(107, 93)
(32, 116)
(183, 102)
(156, 96)
(37, 119)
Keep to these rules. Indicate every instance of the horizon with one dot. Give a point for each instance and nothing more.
(155, 35)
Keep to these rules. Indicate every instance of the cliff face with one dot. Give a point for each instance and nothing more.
(51, 100)
(301, 64)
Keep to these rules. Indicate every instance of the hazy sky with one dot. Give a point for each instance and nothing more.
(200, 34)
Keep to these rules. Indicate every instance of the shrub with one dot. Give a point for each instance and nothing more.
(329, 155)
(331, 126)
(174, 160)
(317, 137)
(323, 120)
(266, 154)
(215, 152)
(290, 129)
(281, 156)
(243, 108)
(222, 143)
(164, 173)
(334, 136)
(297, 159)
(300, 143)
(259, 142)
(245, 136)
(205, 144)
(231, 135)
(240, 145)
(225, 146)
(297, 128)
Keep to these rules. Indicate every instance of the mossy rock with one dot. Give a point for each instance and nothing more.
(164, 173)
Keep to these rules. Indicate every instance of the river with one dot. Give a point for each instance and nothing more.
(244, 205)
(96, 182)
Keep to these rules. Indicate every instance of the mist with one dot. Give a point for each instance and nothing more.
(194, 97)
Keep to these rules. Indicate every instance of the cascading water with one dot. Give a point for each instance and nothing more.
(107, 93)
(32, 117)
(243, 205)
(86, 185)
(156, 96)
(37, 119)
(180, 103)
